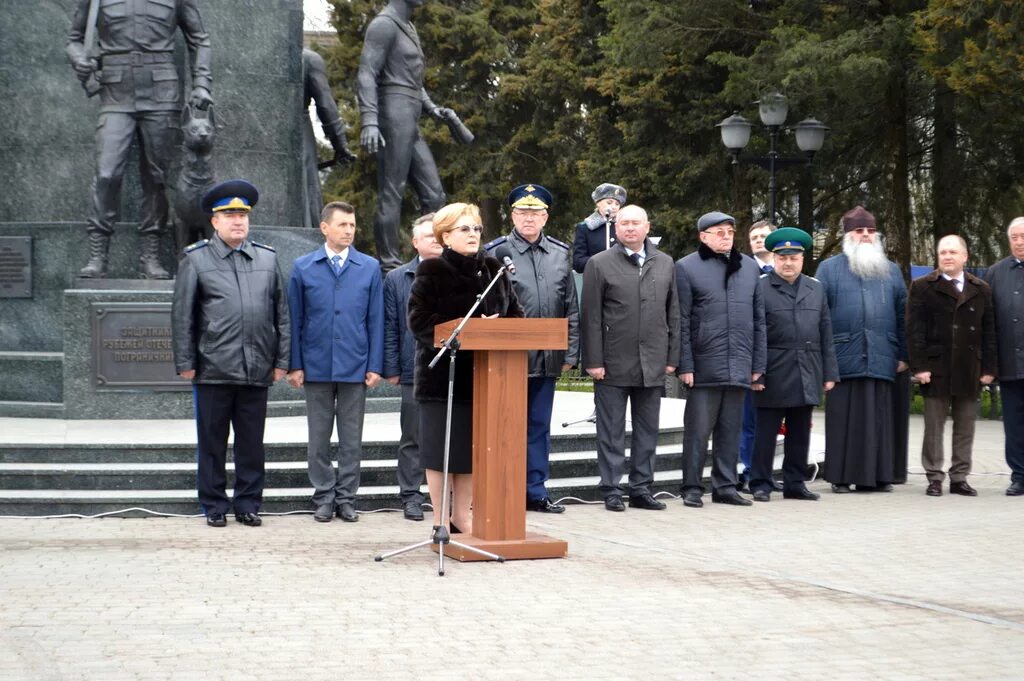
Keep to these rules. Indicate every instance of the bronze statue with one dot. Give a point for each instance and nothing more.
(124, 51)
(391, 101)
(317, 89)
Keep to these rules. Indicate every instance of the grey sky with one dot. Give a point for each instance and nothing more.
(316, 15)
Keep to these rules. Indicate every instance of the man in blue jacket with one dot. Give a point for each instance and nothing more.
(867, 298)
(336, 300)
(400, 362)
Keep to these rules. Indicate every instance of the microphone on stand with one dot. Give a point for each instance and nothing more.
(502, 254)
(509, 265)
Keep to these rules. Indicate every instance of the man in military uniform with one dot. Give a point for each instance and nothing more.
(597, 231)
(545, 286)
(801, 365)
(139, 100)
(231, 335)
(391, 101)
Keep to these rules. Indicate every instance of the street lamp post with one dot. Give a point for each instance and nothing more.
(772, 109)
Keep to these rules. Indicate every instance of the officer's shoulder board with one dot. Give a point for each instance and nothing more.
(491, 245)
(562, 244)
(264, 246)
(197, 245)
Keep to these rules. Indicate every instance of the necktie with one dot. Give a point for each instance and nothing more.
(765, 269)
(635, 257)
(956, 285)
(336, 264)
(1019, 263)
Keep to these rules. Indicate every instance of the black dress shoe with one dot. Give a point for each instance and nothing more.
(693, 499)
(777, 486)
(413, 510)
(934, 488)
(347, 512)
(731, 498)
(250, 519)
(840, 489)
(762, 495)
(216, 520)
(544, 505)
(646, 501)
(324, 513)
(801, 493)
(1016, 489)
(963, 489)
(614, 504)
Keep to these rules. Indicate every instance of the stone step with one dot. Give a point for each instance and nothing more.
(286, 474)
(144, 502)
(185, 451)
(31, 377)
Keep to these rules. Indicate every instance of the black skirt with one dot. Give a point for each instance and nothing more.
(432, 432)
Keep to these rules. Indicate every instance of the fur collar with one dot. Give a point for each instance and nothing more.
(733, 261)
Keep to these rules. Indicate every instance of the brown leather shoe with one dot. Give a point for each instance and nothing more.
(963, 489)
(935, 488)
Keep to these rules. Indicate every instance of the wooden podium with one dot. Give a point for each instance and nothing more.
(500, 369)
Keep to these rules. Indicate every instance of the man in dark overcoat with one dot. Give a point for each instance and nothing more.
(630, 329)
(951, 338)
(721, 338)
(801, 363)
(1006, 278)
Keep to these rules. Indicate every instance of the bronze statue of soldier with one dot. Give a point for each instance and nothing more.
(124, 51)
(391, 101)
(317, 89)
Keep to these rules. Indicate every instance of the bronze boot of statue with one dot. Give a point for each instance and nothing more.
(149, 258)
(96, 268)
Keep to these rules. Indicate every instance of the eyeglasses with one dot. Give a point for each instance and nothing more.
(721, 233)
(865, 230)
(466, 229)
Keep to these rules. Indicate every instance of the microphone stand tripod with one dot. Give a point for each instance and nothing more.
(439, 535)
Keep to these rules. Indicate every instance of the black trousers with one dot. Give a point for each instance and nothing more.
(244, 408)
(796, 446)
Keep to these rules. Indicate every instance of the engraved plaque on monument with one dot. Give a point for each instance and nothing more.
(132, 347)
(16, 267)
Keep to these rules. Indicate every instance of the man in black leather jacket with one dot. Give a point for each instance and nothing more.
(231, 336)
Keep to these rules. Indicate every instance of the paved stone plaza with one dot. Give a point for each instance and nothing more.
(860, 586)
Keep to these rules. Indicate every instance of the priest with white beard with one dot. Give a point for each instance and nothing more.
(867, 297)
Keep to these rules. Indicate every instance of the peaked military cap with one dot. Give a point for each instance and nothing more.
(230, 195)
(607, 190)
(530, 197)
(787, 241)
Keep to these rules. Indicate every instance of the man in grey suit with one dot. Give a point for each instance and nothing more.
(627, 350)
(722, 338)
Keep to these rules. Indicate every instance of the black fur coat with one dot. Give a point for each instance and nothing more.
(444, 289)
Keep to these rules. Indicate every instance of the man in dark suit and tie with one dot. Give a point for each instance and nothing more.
(337, 304)
(951, 338)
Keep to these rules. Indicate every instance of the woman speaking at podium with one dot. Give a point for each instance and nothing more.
(445, 288)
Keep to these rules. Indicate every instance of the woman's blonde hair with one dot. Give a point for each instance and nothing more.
(446, 217)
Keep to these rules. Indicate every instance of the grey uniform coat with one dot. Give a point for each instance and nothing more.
(630, 317)
(546, 288)
(721, 319)
(801, 356)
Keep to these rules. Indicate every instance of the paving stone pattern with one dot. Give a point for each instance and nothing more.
(859, 586)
